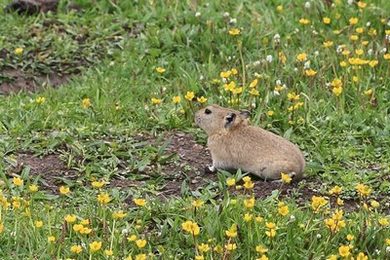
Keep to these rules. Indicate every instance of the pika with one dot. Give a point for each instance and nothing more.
(235, 144)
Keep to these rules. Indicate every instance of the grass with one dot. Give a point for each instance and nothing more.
(94, 122)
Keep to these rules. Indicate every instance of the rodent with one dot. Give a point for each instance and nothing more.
(235, 144)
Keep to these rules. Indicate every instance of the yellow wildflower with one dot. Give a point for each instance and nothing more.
(301, 57)
(328, 44)
(189, 95)
(191, 227)
(141, 243)
(249, 203)
(17, 181)
(363, 190)
(197, 203)
(353, 21)
(95, 246)
(40, 100)
(202, 99)
(336, 190)
(38, 223)
(70, 218)
(234, 31)
(254, 83)
(18, 51)
(64, 190)
(270, 113)
(225, 74)
(261, 249)
(310, 72)
(139, 202)
(108, 252)
(384, 222)
(326, 20)
(286, 178)
(160, 70)
(318, 202)
(176, 99)
(33, 188)
(118, 214)
(98, 184)
(76, 249)
(51, 239)
(230, 182)
(86, 103)
(103, 198)
(361, 256)
(344, 251)
(156, 101)
(279, 8)
(304, 21)
(203, 247)
(231, 246)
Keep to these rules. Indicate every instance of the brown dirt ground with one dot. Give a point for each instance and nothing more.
(189, 166)
(21, 81)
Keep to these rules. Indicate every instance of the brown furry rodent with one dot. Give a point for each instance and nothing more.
(234, 144)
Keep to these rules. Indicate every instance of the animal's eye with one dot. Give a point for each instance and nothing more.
(207, 111)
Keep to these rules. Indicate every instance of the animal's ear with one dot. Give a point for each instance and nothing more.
(245, 114)
(229, 120)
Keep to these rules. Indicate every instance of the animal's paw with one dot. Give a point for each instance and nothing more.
(210, 169)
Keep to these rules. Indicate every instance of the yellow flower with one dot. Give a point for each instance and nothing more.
(283, 210)
(1, 227)
(332, 257)
(271, 233)
(248, 217)
(141, 243)
(384, 222)
(225, 74)
(340, 202)
(98, 184)
(359, 30)
(259, 219)
(160, 70)
(355, 79)
(372, 32)
(51, 239)
(254, 92)
(103, 198)
(359, 52)
(118, 214)
(286, 178)
(337, 91)
(270, 113)
(231, 246)
(234, 31)
(237, 91)
(279, 8)
(361, 4)
(386, 56)
(302, 57)
(202, 99)
(199, 257)
(328, 44)
(17, 181)
(86, 103)
(282, 57)
(77, 227)
(232, 231)
(353, 21)
(40, 100)
(85, 231)
(304, 21)
(84, 222)
(375, 204)
(270, 225)
(261, 249)
(336, 190)
(363, 190)
(344, 251)
(132, 238)
(156, 101)
(234, 71)
(191, 227)
(326, 20)
(108, 252)
(249, 203)
(64, 190)
(373, 63)
(310, 72)
(263, 257)
(343, 64)
(139, 202)
(38, 224)
(18, 51)
(354, 37)
(190, 95)
(248, 185)
(76, 249)
(350, 237)
(197, 203)
(176, 99)
(95, 246)
(230, 182)
(70, 218)
(387, 241)
(361, 256)
(317, 202)
(140, 257)
(203, 247)
(33, 188)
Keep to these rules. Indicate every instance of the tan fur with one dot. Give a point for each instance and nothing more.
(249, 148)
